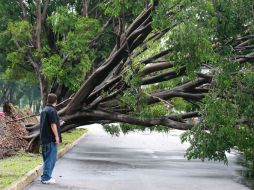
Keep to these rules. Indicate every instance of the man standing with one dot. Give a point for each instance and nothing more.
(50, 137)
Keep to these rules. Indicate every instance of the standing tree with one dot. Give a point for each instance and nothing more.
(53, 41)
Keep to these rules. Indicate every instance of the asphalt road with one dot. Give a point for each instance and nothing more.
(139, 161)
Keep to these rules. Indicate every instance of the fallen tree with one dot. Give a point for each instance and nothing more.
(198, 70)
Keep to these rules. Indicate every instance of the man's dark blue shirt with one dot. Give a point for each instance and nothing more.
(49, 116)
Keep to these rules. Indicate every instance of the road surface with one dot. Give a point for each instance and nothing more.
(139, 161)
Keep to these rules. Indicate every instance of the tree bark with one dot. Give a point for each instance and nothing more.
(38, 26)
(43, 88)
(85, 7)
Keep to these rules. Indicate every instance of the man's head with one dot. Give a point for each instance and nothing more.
(52, 99)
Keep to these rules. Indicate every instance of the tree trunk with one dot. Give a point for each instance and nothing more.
(85, 7)
(43, 88)
(38, 27)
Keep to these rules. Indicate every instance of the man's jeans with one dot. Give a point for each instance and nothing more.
(49, 154)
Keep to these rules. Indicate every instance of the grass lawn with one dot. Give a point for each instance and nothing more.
(12, 168)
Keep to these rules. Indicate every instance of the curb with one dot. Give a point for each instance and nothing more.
(30, 176)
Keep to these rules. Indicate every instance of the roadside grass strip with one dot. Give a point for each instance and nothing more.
(14, 167)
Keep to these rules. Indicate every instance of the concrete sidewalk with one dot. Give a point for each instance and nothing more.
(138, 161)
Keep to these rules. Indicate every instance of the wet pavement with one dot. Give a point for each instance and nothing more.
(139, 161)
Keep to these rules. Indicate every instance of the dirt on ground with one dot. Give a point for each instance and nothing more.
(13, 131)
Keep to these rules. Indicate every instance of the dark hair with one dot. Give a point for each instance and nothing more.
(52, 98)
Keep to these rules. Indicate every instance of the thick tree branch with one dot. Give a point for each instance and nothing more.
(102, 72)
(117, 117)
(163, 76)
(104, 87)
(148, 69)
(184, 91)
(181, 117)
(155, 57)
(172, 94)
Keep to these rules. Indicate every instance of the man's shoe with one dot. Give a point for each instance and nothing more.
(50, 181)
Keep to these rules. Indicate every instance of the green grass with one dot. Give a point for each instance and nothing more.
(12, 168)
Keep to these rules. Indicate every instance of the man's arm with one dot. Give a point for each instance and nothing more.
(54, 129)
